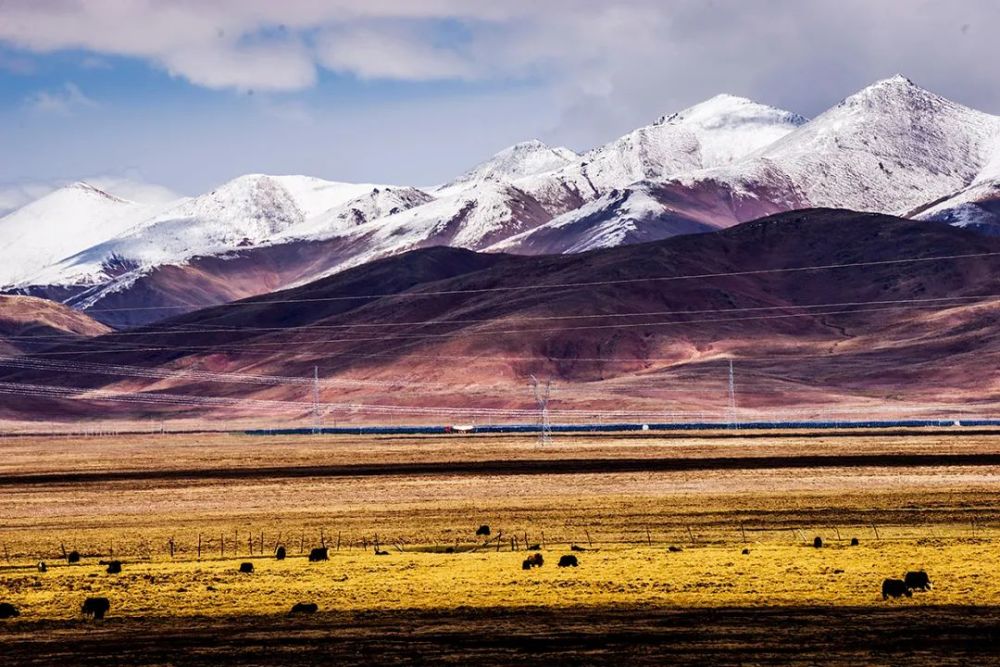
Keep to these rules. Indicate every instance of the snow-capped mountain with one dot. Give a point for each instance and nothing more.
(714, 133)
(891, 147)
(60, 224)
(248, 211)
(473, 219)
(888, 148)
(528, 158)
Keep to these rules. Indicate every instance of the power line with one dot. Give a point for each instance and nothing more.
(268, 348)
(595, 283)
(211, 329)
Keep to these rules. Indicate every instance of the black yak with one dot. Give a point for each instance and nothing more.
(483, 531)
(818, 542)
(568, 561)
(96, 607)
(674, 550)
(73, 557)
(42, 567)
(304, 608)
(279, 553)
(115, 567)
(576, 547)
(379, 552)
(7, 610)
(534, 560)
(855, 542)
(746, 552)
(895, 588)
(318, 554)
(918, 581)
(246, 568)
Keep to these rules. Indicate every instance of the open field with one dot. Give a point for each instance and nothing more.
(630, 596)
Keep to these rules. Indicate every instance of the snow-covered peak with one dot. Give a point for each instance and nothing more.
(716, 132)
(527, 158)
(62, 223)
(887, 148)
(730, 110)
(729, 127)
(89, 189)
(248, 211)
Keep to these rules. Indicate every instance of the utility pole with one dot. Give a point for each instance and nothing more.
(317, 422)
(542, 401)
(732, 397)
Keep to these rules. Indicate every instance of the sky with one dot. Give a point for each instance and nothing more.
(154, 97)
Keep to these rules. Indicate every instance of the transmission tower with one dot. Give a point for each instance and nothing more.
(317, 420)
(542, 401)
(732, 397)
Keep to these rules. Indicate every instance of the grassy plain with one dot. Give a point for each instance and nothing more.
(945, 519)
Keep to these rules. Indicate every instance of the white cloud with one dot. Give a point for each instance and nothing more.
(65, 100)
(391, 53)
(593, 49)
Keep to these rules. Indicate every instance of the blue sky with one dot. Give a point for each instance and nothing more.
(187, 94)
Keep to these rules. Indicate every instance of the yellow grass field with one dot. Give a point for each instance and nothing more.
(240, 497)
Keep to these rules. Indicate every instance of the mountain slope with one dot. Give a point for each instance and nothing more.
(716, 132)
(892, 147)
(616, 328)
(887, 148)
(248, 211)
(27, 323)
(62, 223)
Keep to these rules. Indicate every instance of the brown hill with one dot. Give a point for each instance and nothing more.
(27, 323)
(820, 311)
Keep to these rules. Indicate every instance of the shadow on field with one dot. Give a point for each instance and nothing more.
(895, 633)
(565, 466)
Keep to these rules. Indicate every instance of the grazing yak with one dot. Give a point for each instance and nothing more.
(246, 568)
(535, 547)
(115, 567)
(918, 581)
(95, 607)
(577, 547)
(279, 553)
(896, 588)
(73, 557)
(746, 552)
(855, 542)
(318, 554)
(818, 542)
(304, 608)
(674, 550)
(7, 610)
(568, 561)
(483, 531)
(380, 552)
(534, 560)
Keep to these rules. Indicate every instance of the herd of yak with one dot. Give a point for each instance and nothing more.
(97, 607)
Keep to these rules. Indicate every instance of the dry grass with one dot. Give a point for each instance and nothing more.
(708, 576)
(945, 520)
